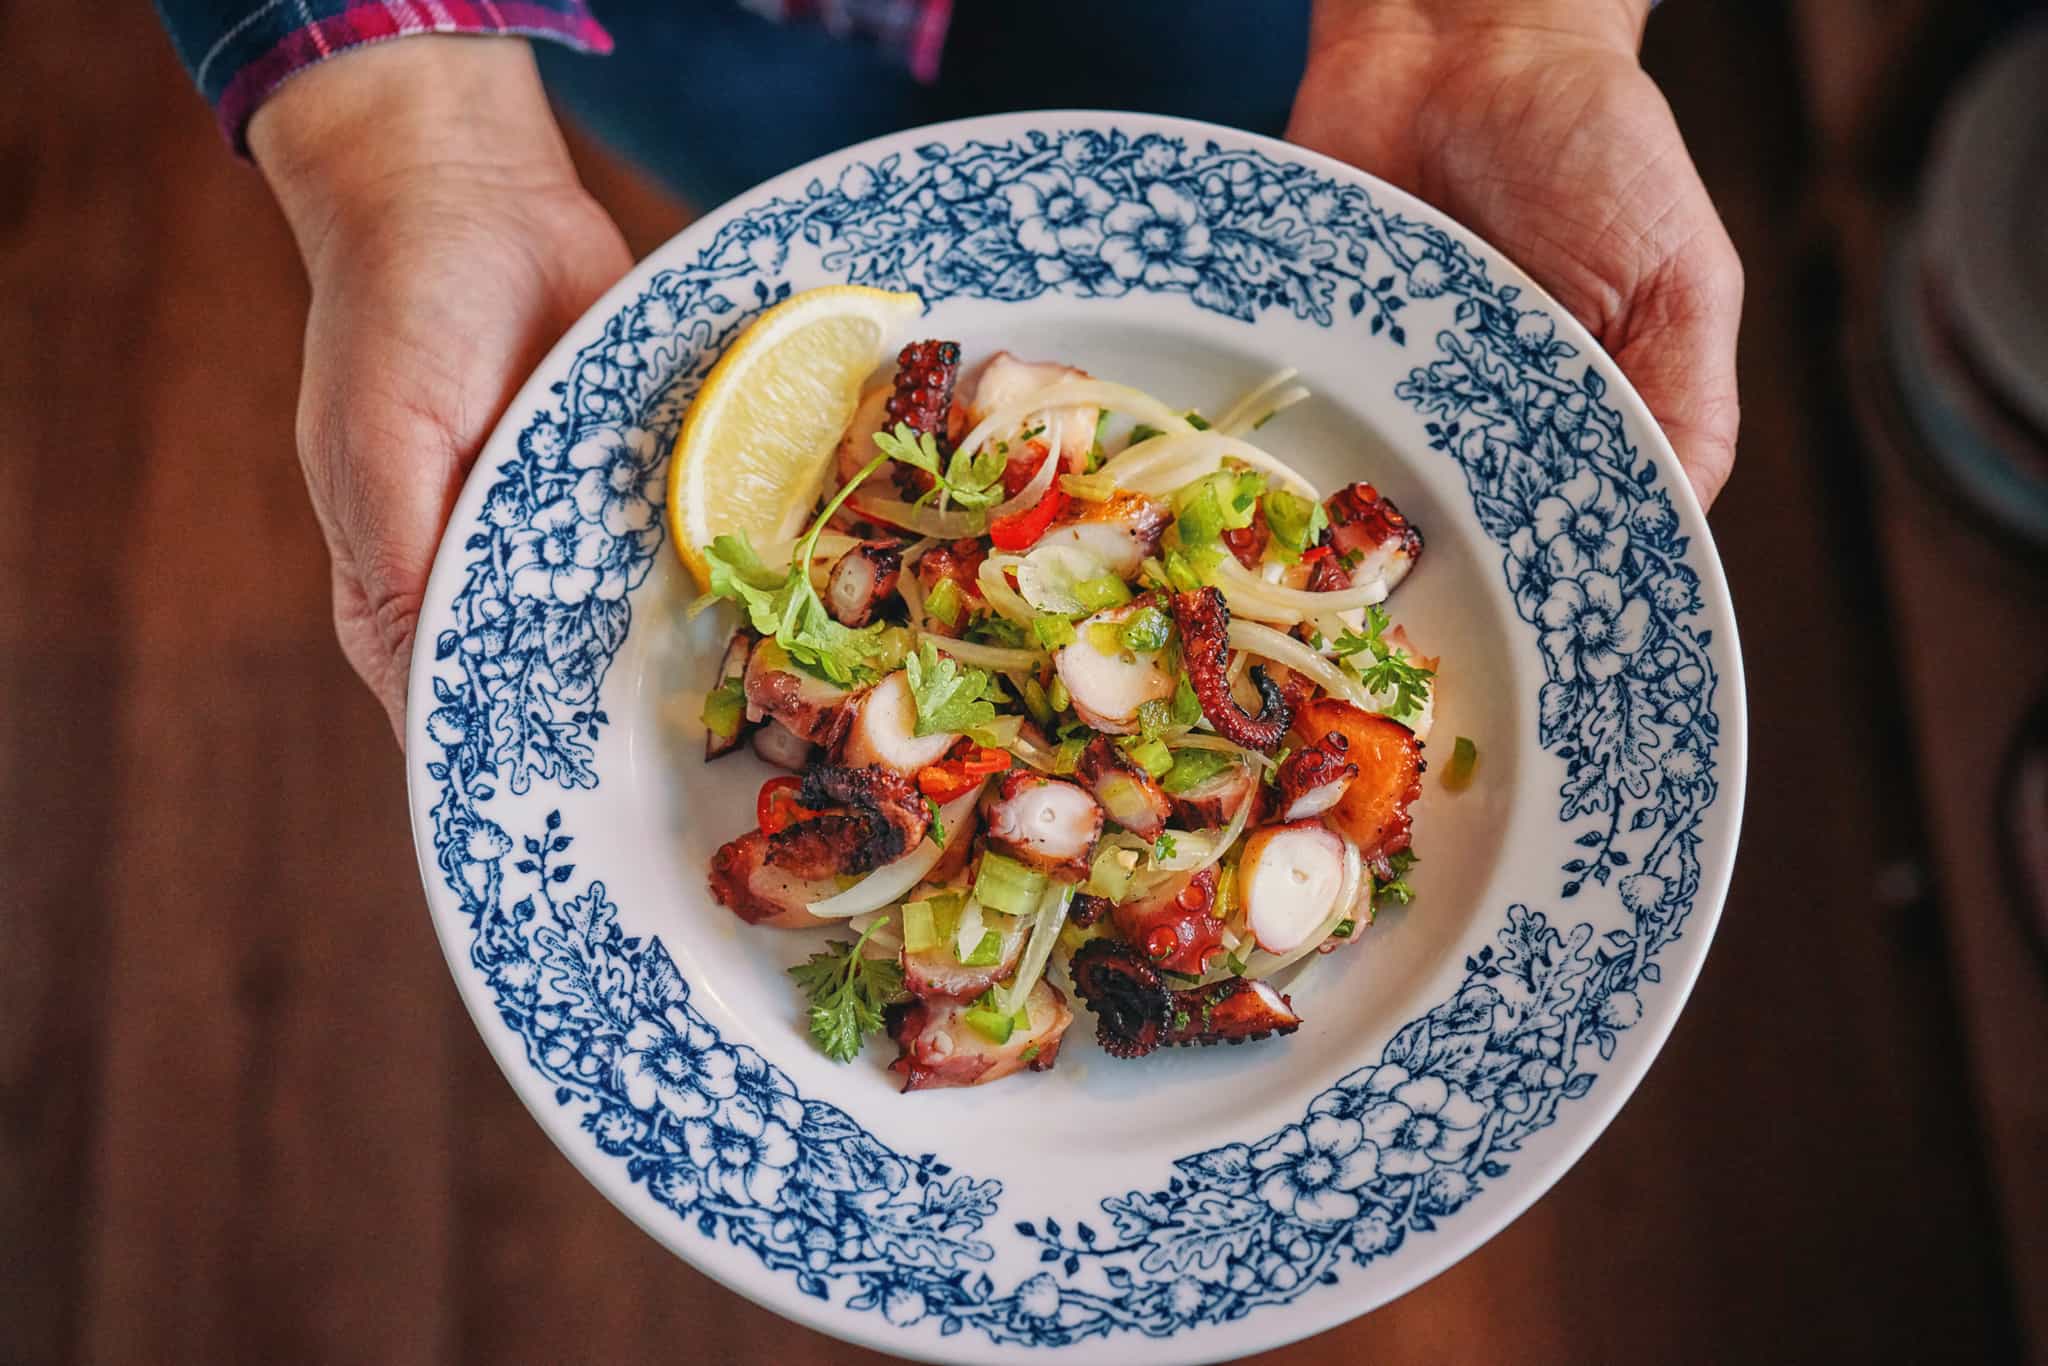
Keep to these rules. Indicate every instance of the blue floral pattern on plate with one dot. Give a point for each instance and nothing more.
(1591, 555)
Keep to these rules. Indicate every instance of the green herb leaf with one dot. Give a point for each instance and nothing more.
(1398, 890)
(789, 612)
(848, 992)
(938, 826)
(1162, 848)
(1389, 670)
(969, 481)
(949, 696)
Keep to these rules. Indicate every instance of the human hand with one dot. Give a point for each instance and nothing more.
(1531, 122)
(449, 243)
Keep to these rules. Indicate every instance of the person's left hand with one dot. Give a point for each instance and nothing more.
(1531, 122)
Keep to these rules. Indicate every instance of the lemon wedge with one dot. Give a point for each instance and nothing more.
(758, 440)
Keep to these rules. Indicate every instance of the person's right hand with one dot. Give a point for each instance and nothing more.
(449, 243)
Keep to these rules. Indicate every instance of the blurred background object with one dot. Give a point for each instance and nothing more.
(243, 1117)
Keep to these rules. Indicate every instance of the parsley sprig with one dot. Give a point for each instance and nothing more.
(968, 481)
(1398, 890)
(1389, 671)
(786, 608)
(848, 992)
(950, 696)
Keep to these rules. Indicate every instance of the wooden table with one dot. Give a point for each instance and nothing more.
(242, 1116)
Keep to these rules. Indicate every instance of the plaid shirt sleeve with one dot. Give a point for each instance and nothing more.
(239, 51)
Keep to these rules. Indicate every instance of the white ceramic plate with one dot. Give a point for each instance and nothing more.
(1191, 1206)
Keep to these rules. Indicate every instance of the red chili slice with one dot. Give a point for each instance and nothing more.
(950, 778)
(777, 808)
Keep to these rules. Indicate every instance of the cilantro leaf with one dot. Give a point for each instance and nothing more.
(969, 481)
(1162, 848)
(1389, 671)
(949, 696)
(848, 992)
(788, 611)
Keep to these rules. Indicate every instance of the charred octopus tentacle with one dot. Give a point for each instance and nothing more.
(925, 372)
(1236, 1011)
(1130, 1000)
(1204, 622)
(871, 817)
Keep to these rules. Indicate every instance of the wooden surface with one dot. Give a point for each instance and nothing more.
(243, 1118)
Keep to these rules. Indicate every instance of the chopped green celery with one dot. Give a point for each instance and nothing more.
(1146, 631)
(1073, 936)
(1056, 696)
(1067, 757)
(1089, 488)
(1192, 767)
(1343, 928)
(1107, 876)
(1000, 733)
(1104, 638)
(1181, 572)
(1153, 755)
(987, 953)
(1052, 631)
(920, 927)
(1464, 757)
(993, 1023)
(1005, 885)
(1224, 501)
(1104, 590)
(945, 602)
(1297, 522)
(1186, 708)
(725, 708)
(1142, 432)
(1154, 718)
(1196, 420)
(1036, 703)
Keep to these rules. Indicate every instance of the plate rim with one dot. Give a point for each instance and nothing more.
(1536, 1172)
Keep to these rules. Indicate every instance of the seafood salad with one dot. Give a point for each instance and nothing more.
(1085, 702)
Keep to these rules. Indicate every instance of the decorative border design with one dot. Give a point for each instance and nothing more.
(711, 1129)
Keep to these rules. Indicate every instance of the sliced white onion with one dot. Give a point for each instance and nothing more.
(1242, 410)
(1198, 740)
(925, 521)
(995, 586)
(1000, 658)
(1046, 577)
(1166, 464)
(913, 597)
(889, 882)
(886, 935)
(1033, 753)
(1281, 648)
(1263, 964)
(1074, 393)
(1237, 582)
(968, 937)
(1275, 406)
(1048, 468)
(1045, 931)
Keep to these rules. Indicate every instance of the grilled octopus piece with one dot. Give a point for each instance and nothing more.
(1314, 778)
(959, 561)
(1173, 926)
(1129, 794)
(1047, 823)
(862, 580)
(1235, 1011)
(1135, 1013)
(872, 817)
(1126, 993)
(1204, 622)
(1369, 532)
(937, 1047)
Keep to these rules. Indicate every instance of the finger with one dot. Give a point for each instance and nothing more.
(363, 646)
(1675, 339)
